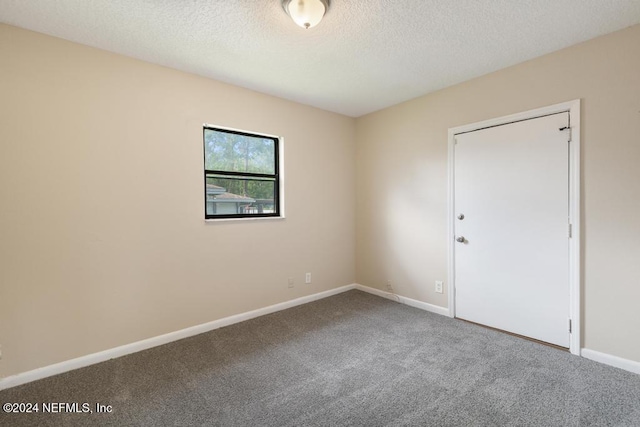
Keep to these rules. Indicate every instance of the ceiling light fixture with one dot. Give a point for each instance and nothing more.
(306, 13)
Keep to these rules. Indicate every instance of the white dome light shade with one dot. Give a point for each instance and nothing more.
(306, 13)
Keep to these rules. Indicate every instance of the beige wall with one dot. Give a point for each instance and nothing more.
(402, 179)
(102, 237)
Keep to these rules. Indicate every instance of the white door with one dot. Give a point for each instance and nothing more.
(511, 202)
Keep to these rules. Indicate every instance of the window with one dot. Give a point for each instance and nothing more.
(241, 174)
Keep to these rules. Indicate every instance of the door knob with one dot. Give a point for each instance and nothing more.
(460, 239)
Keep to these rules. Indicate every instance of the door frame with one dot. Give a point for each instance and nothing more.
(573, 108)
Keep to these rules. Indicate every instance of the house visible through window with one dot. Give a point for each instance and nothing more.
(241, 174)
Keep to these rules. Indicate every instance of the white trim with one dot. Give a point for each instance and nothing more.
(91, 359)
(451, 272)
(573, 108)
(404, 300)
(575, 262)
(608, 359)
(267, 218)
(281, 177)
(209, 125)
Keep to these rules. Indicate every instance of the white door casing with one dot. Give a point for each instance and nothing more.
(516, 180)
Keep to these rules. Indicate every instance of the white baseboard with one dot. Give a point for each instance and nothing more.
(404, 300)
(91, 359)
(608, 359)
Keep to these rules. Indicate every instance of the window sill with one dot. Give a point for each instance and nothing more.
(261, 218)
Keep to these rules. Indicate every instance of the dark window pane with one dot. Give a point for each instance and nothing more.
(240, 196)
(231, 152)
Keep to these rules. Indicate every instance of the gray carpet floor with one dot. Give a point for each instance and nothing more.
(349, 360)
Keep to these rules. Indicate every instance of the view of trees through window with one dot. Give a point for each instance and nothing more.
(241, 174)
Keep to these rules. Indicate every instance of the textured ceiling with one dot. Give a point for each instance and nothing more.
(365, 55)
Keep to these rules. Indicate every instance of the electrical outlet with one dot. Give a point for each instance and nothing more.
(438, 286)
(307, 278)
(389, 286)
(291, 282)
